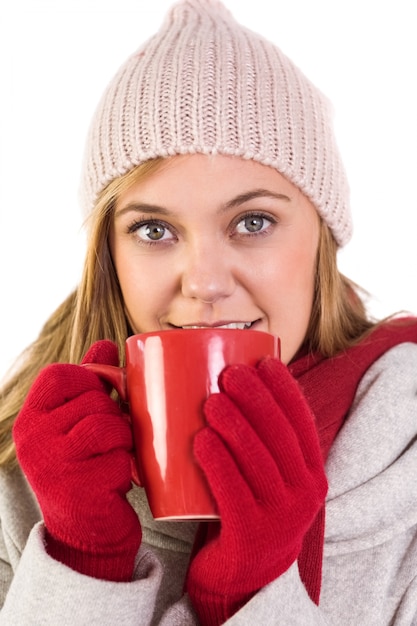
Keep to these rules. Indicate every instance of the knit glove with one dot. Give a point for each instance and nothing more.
(74, 445)
(261, 456)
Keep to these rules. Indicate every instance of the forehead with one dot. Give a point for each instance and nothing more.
(199, 176)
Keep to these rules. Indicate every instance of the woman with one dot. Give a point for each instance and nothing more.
(215, 197)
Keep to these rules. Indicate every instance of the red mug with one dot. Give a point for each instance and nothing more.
(168, 376)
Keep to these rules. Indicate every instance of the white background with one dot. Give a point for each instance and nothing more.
(57, 56)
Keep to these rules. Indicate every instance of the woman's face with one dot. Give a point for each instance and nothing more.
(217, 241)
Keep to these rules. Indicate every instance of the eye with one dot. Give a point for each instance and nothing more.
(253, 224)
(151, 231)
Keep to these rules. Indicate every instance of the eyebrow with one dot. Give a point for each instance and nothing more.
(231, 204)
(251, 195)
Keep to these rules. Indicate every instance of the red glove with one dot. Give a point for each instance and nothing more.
(74, 445)
(261, 456)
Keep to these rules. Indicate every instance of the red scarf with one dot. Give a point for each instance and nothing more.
(329, 386)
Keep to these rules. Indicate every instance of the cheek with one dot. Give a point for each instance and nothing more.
(292, 292)
(138, 289)
(145, 289)
(293, 271)
(129, 277)
(304, 271)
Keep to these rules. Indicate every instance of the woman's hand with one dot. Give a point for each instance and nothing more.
(74, 445)
(261, 456)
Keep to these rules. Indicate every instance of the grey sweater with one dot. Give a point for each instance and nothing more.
(370, 554)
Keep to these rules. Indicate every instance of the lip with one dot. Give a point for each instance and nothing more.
(219, 324)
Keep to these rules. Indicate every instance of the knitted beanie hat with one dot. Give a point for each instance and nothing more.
(205, 84)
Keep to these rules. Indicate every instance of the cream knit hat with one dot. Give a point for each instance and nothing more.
(204, 84)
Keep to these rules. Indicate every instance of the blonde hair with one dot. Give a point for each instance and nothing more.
(96, 311)
(338, 318)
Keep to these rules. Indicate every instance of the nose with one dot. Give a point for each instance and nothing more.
(207, 273)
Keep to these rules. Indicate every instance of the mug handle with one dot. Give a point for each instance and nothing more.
(116, 376)
(112, 374)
